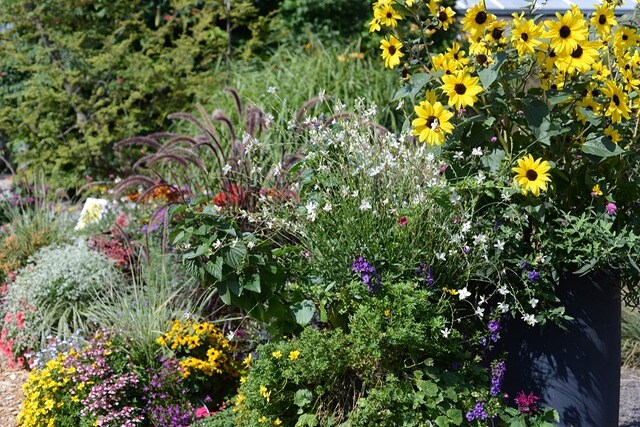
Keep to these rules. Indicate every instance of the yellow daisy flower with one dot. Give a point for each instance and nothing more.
(603, 18)
(294, 355)
(445, 17)
(618, 106)
(532, 175)
(276, 354)
(477, 19)
(432, 123)
(567, 32)
(525, 34)
(391, 52)
(596, 191)
(387, 16)
(580, 59)
(613, 134)
(461, 88)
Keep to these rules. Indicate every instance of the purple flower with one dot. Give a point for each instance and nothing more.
(497, 375)
(523, 264)
(494, 138)
(534, 276)
(425, 271)
(368, 274)
(611, 208)
(477, 413)
(494, 326)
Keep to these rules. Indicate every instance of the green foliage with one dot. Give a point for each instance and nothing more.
(55, 289)
(630, 338)
(81, 77)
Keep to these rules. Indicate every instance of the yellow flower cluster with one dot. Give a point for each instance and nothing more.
(201, 347)
(41, 403)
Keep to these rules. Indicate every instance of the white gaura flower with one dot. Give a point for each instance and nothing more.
(530, 319)
(502, 290)
(365, 205)
(441, 256)
(533, 302)
(503, 307)
(476, 152)
(499, 245)
(463, 293)
(327, 207)
(479, 312)
(445, 332)
(311, 210)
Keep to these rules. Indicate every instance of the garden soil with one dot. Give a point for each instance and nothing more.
(11, 395)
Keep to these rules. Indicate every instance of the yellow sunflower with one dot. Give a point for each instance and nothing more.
(567, 32)
(618, 105)
(580, 59)
(496, 33)
(532, 175)
(432, 123)
(477, 19)
(445, 17)
(455, 53)
(461, 88)
(601, 72)
(603, 18)
(613, 134)
(386, 15)
(525, 34)
(391, 52)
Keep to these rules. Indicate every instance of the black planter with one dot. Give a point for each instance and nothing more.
(577, 370)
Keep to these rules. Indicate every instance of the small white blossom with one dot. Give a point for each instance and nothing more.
(400, 104)
(502, 290)
(311, 211)
(458, 155)
(441, 256)
(322, 96)
(530, 319)
(499, 245)
(465, 227)
(217, 244)
(454, 198)
(476, 152)
(445, 332)
(533, 302)
(503, 307)
(365, 205)
(250, 245)
(479, 311)
(479, 239)
(463, 293)
(271, 90)
(231, 335)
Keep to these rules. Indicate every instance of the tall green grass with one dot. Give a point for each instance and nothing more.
(631, 338)
(299, 74)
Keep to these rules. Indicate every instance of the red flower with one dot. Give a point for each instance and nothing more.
(202, 412)
(220, 200)
(402, 221)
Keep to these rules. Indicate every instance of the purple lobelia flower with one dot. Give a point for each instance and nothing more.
(367, 273)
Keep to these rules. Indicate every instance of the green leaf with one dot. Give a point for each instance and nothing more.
(429, 387)
(455, 416)
(557, 97)
(493, 160)
(601, 146)
(415, 84)
(442, 421)
(303, 312)
(307, 420)
(235, 254)
(253, 284)
(303, 398)
(214, 268)
(535, 111)
(225, 294)
(490, 74)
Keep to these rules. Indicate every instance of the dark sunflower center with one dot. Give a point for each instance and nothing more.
(497, 33)
(481, 58)
(442, 17)
(627, 66)
(577, 52)
(532, 175)
(430, 121)
(389, 15)
(481, 17)
(615, 100)
(455, 55)
(565, 31)
(595, 93)
(392, 50)
(460, 88)
(625, 37)
(602, 19)
(524, 36)
(552, 54)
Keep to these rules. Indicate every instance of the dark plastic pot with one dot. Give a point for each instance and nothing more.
(577, 370)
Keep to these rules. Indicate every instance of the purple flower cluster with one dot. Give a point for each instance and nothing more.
(534, 276)
(494, 327)
(367, 273)
(165, 396)
(497, 376)
(425, 272)
(477, 413)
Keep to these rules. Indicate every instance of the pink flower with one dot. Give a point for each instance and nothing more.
(20, 319)
(402, 222)
(527, 404)
(202, 412)
(611, 208)
(122, 220)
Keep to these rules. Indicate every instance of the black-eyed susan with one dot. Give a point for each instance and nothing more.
(477, 19)
(580, 59)
(603, 18)
(546, 58)
(496, 33)
(617, 106)
(445, 17)
(457, 54)
(374, 25)
(391, 52)
(613, 134)
(433, 123)
(600, 71)
(567, 32)
(525, 34)
(532, 176)
(461, 88)
(387, 15)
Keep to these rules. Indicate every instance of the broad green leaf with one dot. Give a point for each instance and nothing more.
(535, 111)
(303, 398)
(225, 294)
(442, 421)
(601, 146)
(214, 268)
(307, 420)
(252, 283)
(455, 416)
(490, 74)
(557, 97)
(493, 160)
(234, 255)
(303, 312)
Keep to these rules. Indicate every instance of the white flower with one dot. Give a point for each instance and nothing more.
(463, 293)
(278, 169)
(476, 152)
(445, 332)
(321, 95)
(355, 193)
(250, 245)
(499, 245)
(454, 198)
(482, 300)
(465, 227)
(529, 319)
(217, 244)
(271, 90)
(441, 256)
(479, 311)
(311, 210)
(365, 205)
(503, 307)
(458, 155)
(91, 212)
(479, 239)
(505, 197)
(502, 290)
(327, 207)
(268, 120)
(231, 335)
(533, 302)
(400, 104)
